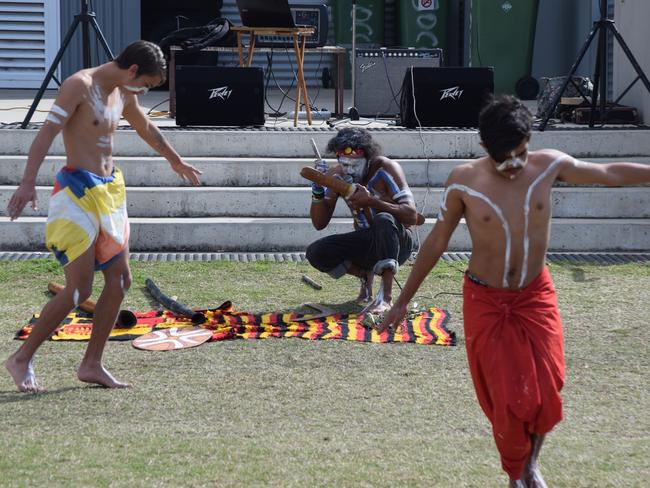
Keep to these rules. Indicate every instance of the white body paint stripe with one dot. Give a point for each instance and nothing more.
(499, 213)
(59, 111)
(53, 118)
(529, 193)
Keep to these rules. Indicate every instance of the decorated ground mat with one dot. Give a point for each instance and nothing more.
(428, 327)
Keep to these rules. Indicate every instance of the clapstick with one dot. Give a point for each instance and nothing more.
(339, 186)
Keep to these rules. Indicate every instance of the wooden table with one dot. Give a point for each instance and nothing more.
(337, 51)
(299, 37)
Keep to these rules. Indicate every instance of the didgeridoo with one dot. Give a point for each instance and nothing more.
(125, 318)
(339, 186)
(172, 305)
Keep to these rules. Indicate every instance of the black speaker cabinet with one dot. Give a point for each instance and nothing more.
(445, 97)
(378, 76)
(219, 96)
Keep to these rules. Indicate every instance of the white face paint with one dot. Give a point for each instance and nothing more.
(354, 167)
(75, 298)
(513, 163)
(137, 90)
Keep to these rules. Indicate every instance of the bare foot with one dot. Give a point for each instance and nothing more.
(534, 478)
(517, 484)
(23, 375)
(379, 307)
(100, 376)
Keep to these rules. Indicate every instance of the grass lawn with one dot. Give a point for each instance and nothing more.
(297, 413)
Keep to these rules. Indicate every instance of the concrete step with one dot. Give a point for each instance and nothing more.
(397, 142)
(154, 202)
(283, 234)
(230, 171)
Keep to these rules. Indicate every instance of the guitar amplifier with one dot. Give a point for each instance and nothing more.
(304, 15)
(378, 77)
(445, 97)
(219, 96)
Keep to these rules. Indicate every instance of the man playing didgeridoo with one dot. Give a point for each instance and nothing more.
(512, 325)
(87, 226)
(383, 209)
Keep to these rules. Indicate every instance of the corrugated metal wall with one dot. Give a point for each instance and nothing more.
(119, 21)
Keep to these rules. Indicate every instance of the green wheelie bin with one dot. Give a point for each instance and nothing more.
(423, 23)
(502, 36)
(369, 27)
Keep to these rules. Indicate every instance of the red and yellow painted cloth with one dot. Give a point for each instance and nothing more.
(429, 327)
(515, 351)
(86, 210)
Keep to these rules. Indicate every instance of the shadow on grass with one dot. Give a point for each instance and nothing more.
(17, 396)
(350, 306)
(579, 276)
(153, 303)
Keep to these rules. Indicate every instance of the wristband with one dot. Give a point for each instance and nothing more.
(317, 190)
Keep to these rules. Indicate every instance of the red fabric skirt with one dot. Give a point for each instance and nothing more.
(515, 350)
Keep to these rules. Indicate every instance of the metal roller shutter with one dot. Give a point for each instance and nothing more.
(29, 40)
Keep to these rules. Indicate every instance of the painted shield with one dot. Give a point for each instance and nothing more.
(172, 338)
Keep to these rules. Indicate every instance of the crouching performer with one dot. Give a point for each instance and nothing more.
(513, 331)
(383, 210)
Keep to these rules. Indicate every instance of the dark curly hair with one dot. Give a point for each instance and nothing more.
(503, 124)
(356, 139)
(147, 56)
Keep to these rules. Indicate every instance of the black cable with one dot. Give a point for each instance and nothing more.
(390, 85)
(285, 95)
(158, 104)
(269, 68)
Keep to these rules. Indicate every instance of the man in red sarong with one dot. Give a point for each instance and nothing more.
(512, 324)
(516, 357)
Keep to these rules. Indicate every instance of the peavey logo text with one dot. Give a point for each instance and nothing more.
(222, 92)
(454, 92)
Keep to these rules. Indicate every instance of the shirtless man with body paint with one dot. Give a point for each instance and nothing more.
(383, 209)
(87, 226)
(505, 198)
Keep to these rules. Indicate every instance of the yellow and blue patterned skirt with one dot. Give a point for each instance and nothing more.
(87, 210)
